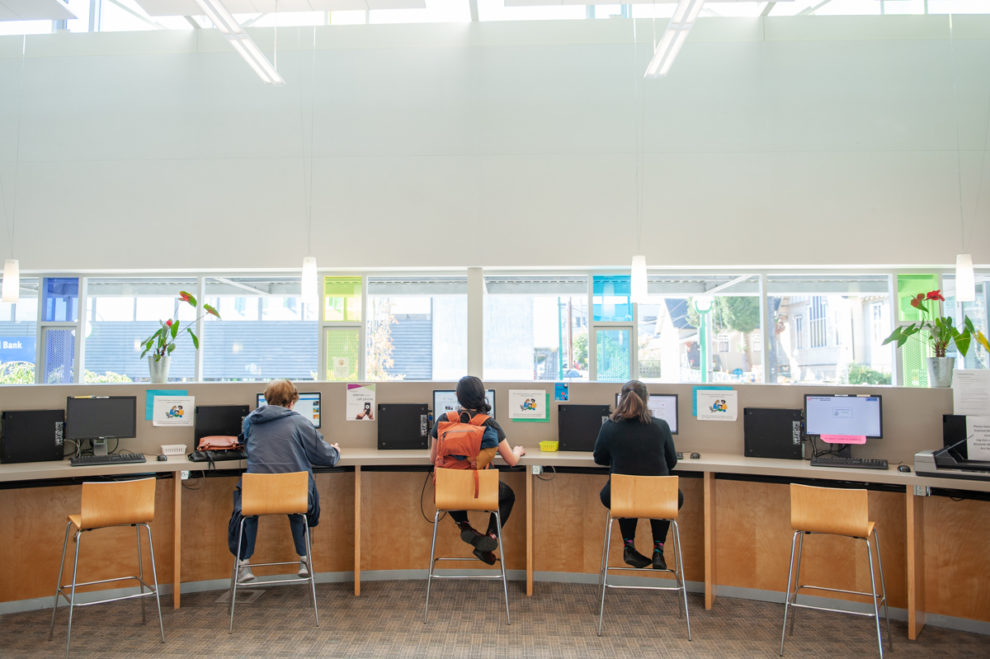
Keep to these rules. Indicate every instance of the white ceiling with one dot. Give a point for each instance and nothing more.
(31, 10)
(191, 7)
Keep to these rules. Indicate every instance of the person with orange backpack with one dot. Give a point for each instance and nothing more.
(469, 439)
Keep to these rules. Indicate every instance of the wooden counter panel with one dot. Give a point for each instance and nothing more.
(754, 543)
(569, 524)
(33, 522)
(206, 507)
(957, 562)
(395, 535)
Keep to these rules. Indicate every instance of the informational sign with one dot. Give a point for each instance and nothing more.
(560, 392)
(152, 394)
(360, 402)
(715, 405)
(529, 405)
(978, 437)
(173, 411)
(971, 392)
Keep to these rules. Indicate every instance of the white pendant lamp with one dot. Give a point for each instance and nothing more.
(965, 280)
(11, 281)
(638, 280)
(308, 283)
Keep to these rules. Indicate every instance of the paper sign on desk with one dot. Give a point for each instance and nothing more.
(714, 405)
(360, 402)
(971, 392)
(844, 439)
(173, 411)
(151, 394)
(694, 394)
(529, 405)
(978, 437)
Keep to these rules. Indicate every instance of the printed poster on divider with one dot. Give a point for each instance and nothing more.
(529, 405)
(716, 405)
(360, 402)
(173, 411)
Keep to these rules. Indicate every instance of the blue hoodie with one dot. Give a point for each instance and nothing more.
(279, 440)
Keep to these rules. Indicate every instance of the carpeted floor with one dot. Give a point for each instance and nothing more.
(467, 619)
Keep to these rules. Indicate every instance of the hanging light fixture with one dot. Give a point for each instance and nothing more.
(638, 282)
(11, 281)
(965, 279)
(308, 284)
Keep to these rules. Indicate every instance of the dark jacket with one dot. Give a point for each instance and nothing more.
(638, 449)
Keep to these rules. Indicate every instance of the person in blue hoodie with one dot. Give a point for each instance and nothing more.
(279, 440)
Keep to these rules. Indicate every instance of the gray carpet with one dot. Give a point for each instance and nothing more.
(467, 619)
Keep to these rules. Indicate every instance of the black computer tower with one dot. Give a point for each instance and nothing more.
(403, 426)
(578, 426)
(772, 433)
(31, 435)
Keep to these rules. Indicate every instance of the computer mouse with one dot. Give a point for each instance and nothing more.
(906, 469)
(162, 458)
(695, 456)
(680, 456)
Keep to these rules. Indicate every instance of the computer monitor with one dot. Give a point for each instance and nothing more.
(839, 414)
(99, 418)
(219, 420)
(308, 405)
(662, 406)
(445, 400)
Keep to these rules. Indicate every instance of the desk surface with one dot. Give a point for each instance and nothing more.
(722, 463)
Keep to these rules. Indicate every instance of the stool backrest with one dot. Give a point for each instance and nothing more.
(112, 503)
(275, 494)
(455, 489)
(653, 497)
(830, 510)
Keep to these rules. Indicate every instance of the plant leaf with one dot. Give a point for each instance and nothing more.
(962, 340)
(982, 340)
(211, 310)
(174, 329)
(195, 339)
(187, 297)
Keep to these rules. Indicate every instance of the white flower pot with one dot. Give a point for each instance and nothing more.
(159, 369)
(940, 371)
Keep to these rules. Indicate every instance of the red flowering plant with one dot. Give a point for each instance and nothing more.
(162, 342)
(940, 329)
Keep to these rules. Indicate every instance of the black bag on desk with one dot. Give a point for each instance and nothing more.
(31, 435)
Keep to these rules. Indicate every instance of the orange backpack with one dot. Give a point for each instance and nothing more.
(463, 439)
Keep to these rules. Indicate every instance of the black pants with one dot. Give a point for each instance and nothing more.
(628, 525)
(506, 499)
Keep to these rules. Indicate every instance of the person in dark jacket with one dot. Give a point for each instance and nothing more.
(633, 442)
(278, 441)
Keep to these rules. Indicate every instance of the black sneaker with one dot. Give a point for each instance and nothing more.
(634, 558)
(658, 562)
(479, 541)
(485, 556)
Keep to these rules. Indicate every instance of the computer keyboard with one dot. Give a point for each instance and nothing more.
(111, 459)
(855, 463)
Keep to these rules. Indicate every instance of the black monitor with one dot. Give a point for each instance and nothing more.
(219, 420)
(308, 405)
(841, 414)
(99, 418)
(662, 406)
(445, 400)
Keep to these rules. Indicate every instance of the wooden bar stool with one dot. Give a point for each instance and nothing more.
(273, 494)
(649, 497)
(837, 512)
(455, 490)
(104, 505)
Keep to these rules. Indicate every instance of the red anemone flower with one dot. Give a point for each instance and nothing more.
(935, 295)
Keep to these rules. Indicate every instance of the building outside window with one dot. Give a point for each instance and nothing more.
(19, 335)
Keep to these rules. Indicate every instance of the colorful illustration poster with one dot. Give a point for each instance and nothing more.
(715, 405)
(173, 411)
(529, 405)
(151, 394)
(560, 392)
(360, 402)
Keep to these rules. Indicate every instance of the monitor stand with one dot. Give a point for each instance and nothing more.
(99, 446)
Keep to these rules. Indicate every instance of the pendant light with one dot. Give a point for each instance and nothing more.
(11, 281)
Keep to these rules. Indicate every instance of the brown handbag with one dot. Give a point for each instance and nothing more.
(218, 443)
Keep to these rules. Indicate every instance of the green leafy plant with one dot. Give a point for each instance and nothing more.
(162, 342)
(941, 330)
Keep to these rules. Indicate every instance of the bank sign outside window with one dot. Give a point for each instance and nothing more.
(17, 349)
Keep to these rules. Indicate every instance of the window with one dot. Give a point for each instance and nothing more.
(59, 326)
(123, 311)
(818, 318)
(798, 332)
(265, 330)
(536, 328)
(417, 328)
(18, 335)
(342, 315)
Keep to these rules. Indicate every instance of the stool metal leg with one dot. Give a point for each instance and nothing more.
(154, 576)
(233, 585)
(72, 595)
(137, 532)
(883, 589)
(787, 593)
(433, 553)
(312, 572)
(608, 546)
(873, 587)
(797, 577)
(679, 575)
(501, 564)
(58, 585)
(601, 569)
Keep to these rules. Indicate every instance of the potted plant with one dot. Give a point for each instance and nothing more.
(161, 344)
(940, 331)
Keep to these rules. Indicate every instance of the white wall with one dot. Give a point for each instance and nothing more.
(798, 141)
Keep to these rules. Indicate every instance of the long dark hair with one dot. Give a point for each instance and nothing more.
(471, 394)
(632, 405)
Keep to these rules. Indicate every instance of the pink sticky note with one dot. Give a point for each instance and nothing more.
(844, 439)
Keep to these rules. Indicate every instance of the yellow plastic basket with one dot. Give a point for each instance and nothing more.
(548, 446)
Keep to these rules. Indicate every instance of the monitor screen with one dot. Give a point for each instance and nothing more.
(308, 405)
(100, 417)
(445, 400)
(662, 406)
(843, 415)
(219, 420)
